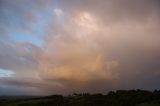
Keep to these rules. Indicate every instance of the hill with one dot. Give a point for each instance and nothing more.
(117, 98)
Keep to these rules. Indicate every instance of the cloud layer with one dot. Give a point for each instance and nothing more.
(88, 46)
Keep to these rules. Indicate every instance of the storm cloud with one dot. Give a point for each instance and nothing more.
(58, 46)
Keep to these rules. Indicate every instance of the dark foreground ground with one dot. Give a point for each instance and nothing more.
(117, 98)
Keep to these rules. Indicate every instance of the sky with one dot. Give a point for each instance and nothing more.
(65, 46)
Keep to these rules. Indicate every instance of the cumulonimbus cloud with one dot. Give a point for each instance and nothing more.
(88, 45)
(77, 54)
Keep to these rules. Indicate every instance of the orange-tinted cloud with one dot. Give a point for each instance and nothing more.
(89, 46)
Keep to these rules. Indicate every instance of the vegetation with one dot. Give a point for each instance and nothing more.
(117, 98)
(151, 103)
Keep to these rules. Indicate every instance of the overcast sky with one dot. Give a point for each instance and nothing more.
(65, 46)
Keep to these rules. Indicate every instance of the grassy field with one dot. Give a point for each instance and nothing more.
(36, 102)
(29, 102)
(149, 104)
(153, 103)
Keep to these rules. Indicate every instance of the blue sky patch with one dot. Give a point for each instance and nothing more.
(6, 73)
(27, 37)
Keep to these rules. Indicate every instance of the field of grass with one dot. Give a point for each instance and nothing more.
(38, 102)
(153, 103)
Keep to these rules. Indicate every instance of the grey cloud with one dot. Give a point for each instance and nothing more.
(115, 10)
(20, 58)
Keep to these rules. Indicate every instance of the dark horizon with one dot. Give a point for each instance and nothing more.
(112, 98)
(72, 93)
